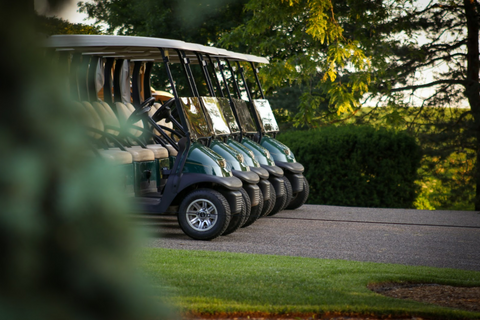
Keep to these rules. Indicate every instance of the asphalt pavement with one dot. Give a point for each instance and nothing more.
(446, 239)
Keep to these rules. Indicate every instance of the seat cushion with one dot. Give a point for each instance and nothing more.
(171, 150)
(94, 119)
(159, 151)
(123, 113)
(139, 154)
(116, 156)
(110, 122)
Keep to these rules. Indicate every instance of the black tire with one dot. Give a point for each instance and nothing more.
(279, 204)
(288, 191)
(248, 205)
(237, 220)
(255, 213)
(301, 197)
(204, 214)
(268, 205)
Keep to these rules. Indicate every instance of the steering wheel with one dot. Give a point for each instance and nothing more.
(144, 108)
(164, 111)
(148, 103)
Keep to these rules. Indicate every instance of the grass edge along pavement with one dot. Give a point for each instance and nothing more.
(207, 283)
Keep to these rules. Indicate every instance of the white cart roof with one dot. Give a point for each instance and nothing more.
(138, 48)
(123, 47)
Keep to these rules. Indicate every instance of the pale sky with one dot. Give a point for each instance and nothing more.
(69, 12)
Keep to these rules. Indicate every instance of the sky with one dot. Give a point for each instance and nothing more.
(69, 12)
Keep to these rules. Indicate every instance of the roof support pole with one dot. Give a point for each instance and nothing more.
(107, 86)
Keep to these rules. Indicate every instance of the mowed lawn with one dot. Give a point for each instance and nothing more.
(204, 282)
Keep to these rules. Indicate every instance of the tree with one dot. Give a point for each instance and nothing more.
(207, 21)
(402, 39)
(187, 20)
(53, 25)
(310, 44)
(439, 39)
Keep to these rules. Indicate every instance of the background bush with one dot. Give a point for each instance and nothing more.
(357, 165)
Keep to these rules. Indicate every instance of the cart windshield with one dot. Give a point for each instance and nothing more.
(266, 116)
(244, 116)
(228, 115)
(197, 124)
(213, 109)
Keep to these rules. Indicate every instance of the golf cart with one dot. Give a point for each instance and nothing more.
(209, 135)
(220, 142)
(258, 117)
(167, 176)
(242, 126)
(214, 108)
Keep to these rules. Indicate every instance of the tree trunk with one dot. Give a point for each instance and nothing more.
(472, 89)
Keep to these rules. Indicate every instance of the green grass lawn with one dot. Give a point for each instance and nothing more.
(217, 282)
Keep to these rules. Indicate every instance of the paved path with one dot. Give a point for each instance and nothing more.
(449, 239)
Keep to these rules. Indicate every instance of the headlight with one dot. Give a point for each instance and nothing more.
(267, 154)
(251, 154)
(240, 158)
(222, 163)
(287, 151)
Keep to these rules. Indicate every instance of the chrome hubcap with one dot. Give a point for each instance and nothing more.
(202, 215)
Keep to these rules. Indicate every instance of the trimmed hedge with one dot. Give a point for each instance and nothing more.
(357, 165)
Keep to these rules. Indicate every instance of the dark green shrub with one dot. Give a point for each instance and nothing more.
(357, 165)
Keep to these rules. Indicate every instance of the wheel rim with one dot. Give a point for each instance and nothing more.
(202, 215)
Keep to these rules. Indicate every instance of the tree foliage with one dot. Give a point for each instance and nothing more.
(308, 46)
(427, 55)
(53, 25)
(188, 20)
(303, 39)
(446, 175)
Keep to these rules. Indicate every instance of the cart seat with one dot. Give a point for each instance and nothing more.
(173, 152)
(110, 121)
(92, 119)
(123, 113)
(159, 151)
(139, 154)
(116, 156)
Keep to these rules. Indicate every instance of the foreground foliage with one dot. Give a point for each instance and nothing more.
(67, 246)
(232, 283)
